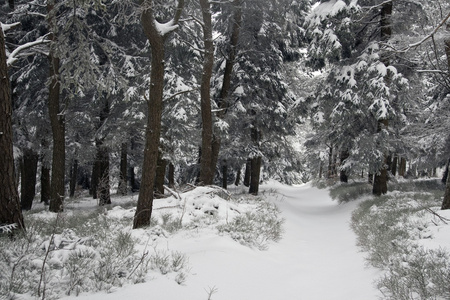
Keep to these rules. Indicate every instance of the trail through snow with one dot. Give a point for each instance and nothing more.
(317, 259)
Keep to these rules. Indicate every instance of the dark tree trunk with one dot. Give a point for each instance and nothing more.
(122, 189)
(160, 175)
(57, 121)
(10, 212)
(370, 178)
(103, 189)
(224, 174)
(320, 169)
(394, 166)
(11, 4)
(73, 178)
(206, 168)
(45, 184)
(446, 201)
(238, 177)
(28, 178)
(381, 177)
(247, 172)
(153, 130)
(343, 173)
(255, 175)
(171, 175)
(133, 184)
(402, 167)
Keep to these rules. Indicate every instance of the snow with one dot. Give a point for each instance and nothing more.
(165, 28)
(317, 258)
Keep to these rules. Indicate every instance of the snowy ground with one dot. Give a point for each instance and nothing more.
(317, 258)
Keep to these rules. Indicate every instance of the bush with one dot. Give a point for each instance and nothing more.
(256, 228)
(346, 192)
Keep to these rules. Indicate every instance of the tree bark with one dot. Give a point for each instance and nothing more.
(255, 175)
(381, 177)
(402, 167)
(330, 163)
(394, 166)
(10, 212)
(28, 178)
(153, 130)
(123, 188)
(224, 174)
(171, 175)
(45, 184)
(247, 172)
(103, 189)
(206, 168)
(446, 201)
(57, 121)
(238, 177)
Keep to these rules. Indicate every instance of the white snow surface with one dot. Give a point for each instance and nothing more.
(317, 258)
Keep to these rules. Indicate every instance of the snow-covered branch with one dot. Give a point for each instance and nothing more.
(6, 27)
(12, 57)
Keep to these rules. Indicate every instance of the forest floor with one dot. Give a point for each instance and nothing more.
(317, 258)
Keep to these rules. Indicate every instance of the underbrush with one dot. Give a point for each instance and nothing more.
(399, 232)
(95, 249)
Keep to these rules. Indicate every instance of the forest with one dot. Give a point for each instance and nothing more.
(150, 97)
(130, 96)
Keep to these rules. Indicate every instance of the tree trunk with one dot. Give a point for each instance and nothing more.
(73, 178)
(247, 172)
(446, 201)
(320, 169)
(402, 167)
(95, 178)
(255, 175)
(370, 178)
(343, 173)
(123, 188)
(28, 178)
(206, 168)
(160, 175)
(11, 4)
(45, 184)
(381, 177)
(57, 121)
(394, 166)
(224, 174)
(171, 175)
(153, 130)
(10, 212)
(103, 189)
(238, 177)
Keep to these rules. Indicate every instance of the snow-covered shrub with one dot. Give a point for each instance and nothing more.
(395, 230)
(256, 228)
(166, 262)
(350, 191)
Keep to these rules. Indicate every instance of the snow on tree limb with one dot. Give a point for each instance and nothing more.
(6, 27)
(165, 28)
(12, 57)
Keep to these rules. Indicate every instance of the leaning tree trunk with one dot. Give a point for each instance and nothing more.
(381, 177)
(206, 168)
(10, 212)
(28, 178)
(57, 121)
(154, 104)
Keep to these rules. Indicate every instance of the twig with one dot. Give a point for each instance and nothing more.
(443, 219)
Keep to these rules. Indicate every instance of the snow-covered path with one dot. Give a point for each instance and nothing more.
(316, 259)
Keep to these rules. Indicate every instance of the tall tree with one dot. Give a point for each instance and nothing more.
(157, 34)
(10, 212)
(206, 166)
